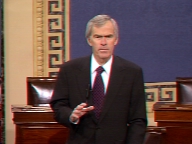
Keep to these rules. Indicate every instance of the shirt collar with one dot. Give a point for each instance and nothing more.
(106, 66)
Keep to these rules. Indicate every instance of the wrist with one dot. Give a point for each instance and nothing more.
(73, 120)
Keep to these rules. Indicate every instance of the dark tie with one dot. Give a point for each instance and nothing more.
(98, 92)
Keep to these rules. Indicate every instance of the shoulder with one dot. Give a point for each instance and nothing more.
(125, 63)
(77, 60)
(76, 63)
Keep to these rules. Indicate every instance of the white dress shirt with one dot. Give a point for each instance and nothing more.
(105, 74)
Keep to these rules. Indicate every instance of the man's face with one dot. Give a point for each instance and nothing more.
(103, 41)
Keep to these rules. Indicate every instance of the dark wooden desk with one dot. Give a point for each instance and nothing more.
(38, 127)
(177, 118)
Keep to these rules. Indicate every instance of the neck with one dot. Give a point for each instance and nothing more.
(102, 61)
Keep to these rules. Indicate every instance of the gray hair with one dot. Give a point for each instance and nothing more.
(99, 21)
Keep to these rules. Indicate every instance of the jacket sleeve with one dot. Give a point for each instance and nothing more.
(137, 112)
(60, 99)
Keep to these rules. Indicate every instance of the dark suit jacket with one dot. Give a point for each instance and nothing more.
(123, 117)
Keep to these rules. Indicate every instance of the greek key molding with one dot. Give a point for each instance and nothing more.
(159, 92)
(51, 46)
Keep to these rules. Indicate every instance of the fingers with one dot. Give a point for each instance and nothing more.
(87, 109)
(80, 106)
(80, 110)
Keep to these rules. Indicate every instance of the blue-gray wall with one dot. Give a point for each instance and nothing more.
(155, 34)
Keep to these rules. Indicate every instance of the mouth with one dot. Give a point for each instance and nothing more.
(103, 49)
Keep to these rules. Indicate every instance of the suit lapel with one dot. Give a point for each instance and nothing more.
(83, 80)
(83, 77)
(115, 81)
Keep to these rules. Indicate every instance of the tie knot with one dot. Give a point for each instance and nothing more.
(100, 69)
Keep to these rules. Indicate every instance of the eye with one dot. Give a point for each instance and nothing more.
(109, 36)
(98, 36)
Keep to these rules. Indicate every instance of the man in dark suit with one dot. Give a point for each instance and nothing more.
(122, 117)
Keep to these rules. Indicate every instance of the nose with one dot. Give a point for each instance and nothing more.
(103, 41)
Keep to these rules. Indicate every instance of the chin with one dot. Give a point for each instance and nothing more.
(105, 57)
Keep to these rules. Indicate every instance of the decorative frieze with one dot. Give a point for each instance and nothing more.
(50, 48)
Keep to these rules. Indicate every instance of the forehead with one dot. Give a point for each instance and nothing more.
(107, 28)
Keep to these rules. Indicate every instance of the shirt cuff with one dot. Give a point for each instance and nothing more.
(73, 121)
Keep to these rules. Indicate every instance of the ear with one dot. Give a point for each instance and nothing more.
(89, 41)
(116, 41)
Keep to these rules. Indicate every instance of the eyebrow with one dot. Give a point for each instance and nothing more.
(97, 35)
